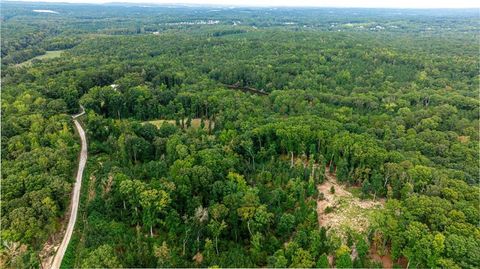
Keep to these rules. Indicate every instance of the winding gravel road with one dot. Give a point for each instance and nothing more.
(57, 261)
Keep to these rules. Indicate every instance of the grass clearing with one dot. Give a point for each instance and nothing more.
(48, 55)
(355, 191)
(159, 123)
(196, 123)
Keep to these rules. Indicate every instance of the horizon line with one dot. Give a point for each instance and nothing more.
(231, 5)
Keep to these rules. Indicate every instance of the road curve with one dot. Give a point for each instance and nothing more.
(57, 261)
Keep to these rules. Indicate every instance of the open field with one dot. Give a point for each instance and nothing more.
(48, 55)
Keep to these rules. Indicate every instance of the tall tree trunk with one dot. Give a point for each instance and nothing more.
(198, 240)
(253, 160)
(248, 226)
(151, 231)
(331, 161)
(291, 159)
(136, 215)
(185, 242)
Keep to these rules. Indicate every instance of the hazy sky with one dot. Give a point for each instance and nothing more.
(326, 3)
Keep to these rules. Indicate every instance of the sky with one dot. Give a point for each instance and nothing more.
(317, 3)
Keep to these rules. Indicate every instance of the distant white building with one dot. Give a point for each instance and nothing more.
(44, 11)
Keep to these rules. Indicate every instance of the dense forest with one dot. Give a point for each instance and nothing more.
(214, 132)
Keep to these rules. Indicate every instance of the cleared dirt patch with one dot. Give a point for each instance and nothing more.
(91, 188)
(340, 210)
(385, 260)
(11, 253)
(463, 139)
(48, 252)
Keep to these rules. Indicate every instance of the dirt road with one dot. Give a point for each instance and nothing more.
(57, 261)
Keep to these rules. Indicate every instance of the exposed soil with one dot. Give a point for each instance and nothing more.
(386, 259)
(50, 247)
(10, 254)
(463, 139)
(91, 188)
(346, 210)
